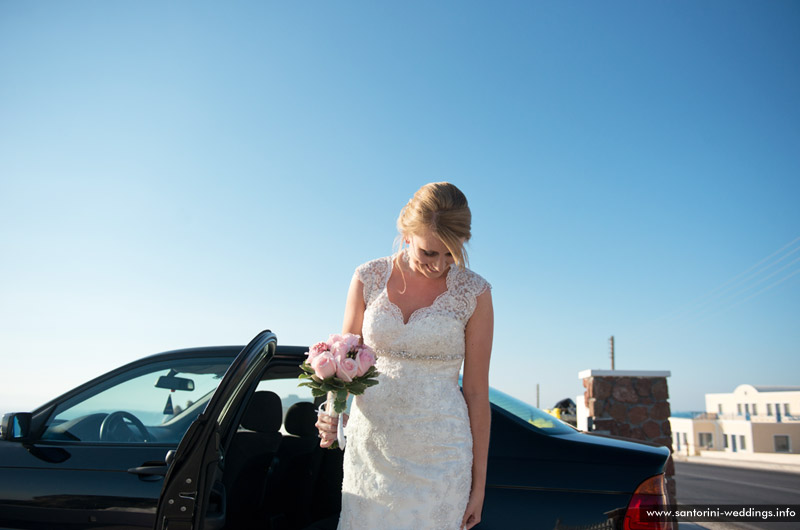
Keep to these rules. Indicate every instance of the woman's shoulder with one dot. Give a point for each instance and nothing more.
(373, 269)
(472, 281)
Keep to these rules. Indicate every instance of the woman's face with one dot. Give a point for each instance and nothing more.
(428, 255)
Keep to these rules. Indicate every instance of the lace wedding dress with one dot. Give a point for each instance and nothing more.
(408, 463)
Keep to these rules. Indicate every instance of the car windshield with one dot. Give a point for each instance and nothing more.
(537, 418)
(151, 403)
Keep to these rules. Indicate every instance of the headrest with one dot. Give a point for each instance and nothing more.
(263, 413)
(300, 419)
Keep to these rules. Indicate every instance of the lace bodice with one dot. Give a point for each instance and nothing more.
(409, 445)
(432, 332)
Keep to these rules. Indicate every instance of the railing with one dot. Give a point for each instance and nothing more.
(755, 418)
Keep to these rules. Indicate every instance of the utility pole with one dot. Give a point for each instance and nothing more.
(611, 341)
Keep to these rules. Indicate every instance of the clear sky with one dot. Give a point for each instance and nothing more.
(178, 174)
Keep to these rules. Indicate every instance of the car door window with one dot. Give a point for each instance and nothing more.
(150, 404)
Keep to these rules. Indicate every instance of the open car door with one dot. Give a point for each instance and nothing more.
(193, 496)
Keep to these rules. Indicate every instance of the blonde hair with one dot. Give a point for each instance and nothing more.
(441, 208)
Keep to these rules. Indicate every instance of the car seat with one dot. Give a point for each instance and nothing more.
(248, 459)
(290, 498)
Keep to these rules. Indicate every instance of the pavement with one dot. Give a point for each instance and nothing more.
(752, 463)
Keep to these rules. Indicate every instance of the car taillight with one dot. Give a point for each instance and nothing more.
(648, 500)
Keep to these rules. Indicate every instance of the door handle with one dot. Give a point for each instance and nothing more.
(149, 473)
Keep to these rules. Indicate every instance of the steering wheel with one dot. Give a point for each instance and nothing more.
(115, 429)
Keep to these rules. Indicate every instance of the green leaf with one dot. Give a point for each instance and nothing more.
(357, 388)
(339, 406)
(316, 392)
(328, 387)
(341, 395)
(370, 382)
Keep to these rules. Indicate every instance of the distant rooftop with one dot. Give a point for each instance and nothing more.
(744, 388)
(768, 388)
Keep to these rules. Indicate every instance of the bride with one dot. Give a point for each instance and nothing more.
(417, 446)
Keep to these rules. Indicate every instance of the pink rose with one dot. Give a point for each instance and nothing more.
(324, 365)
(365, 360)
(351, 340)
(347, 369)
(339, 349)
(316, 349)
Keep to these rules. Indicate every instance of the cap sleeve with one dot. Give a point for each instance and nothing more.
(481, 285)
(372, 275)
(468, 287)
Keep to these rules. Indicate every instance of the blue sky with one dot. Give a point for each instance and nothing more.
(190, 173)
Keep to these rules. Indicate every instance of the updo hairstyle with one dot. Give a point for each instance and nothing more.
(441, 208)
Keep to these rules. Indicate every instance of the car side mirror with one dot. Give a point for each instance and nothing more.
(16, 426)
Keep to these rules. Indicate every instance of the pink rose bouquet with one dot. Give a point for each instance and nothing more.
(338, 367)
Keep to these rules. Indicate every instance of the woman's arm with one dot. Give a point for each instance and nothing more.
(353, 320)
(475, 384)
(354, 308)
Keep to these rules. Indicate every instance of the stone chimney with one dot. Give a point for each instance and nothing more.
(629, 403)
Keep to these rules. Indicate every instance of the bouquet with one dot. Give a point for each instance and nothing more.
(336, 368)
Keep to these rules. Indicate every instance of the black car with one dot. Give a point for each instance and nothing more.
(223, 438)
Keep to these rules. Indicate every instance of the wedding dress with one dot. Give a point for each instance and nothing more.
(408, 463)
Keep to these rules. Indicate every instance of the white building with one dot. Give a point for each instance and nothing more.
(751, 419)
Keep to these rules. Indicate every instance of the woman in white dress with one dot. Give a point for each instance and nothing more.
(416, 445)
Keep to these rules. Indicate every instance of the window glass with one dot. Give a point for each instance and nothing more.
(782, 443)
(150, 404)
(532, 415)
(289, 393)
(741, 442)
(705, 440)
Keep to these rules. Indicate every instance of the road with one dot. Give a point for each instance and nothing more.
(709, 484)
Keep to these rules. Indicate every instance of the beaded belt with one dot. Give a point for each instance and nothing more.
(401, 354)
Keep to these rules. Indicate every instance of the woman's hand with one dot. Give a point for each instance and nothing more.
(327, 426)
(472, 515)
